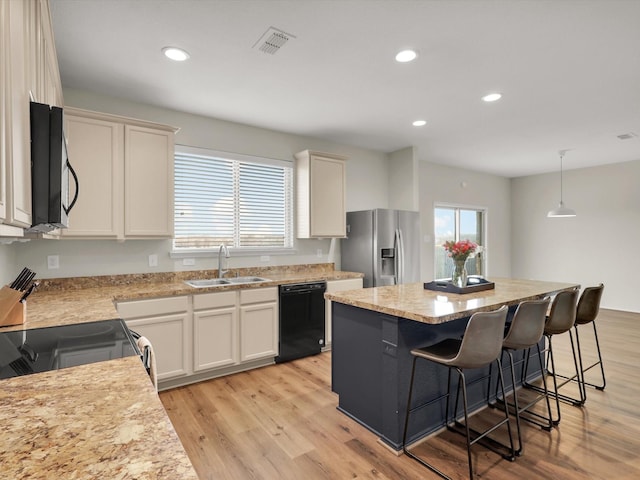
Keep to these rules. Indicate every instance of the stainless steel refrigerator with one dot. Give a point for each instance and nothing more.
(384, 245)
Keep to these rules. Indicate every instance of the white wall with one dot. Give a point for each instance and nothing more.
(404, 185)
(598, 245)
(441, 184)
(366, 180)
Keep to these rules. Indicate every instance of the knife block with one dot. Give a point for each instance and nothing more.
(12, 311)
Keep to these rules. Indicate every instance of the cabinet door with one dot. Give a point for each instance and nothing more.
(5, 85)
(18, 160)
(327, 197)
(168, 335)
(148, 182)
(215, 338)
(258, 331)
(95, 151)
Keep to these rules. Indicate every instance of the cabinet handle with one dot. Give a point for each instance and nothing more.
(75, 197)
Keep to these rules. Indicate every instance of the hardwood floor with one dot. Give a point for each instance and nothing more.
(281, 422)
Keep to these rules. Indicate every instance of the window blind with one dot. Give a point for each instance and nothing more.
(240, 203)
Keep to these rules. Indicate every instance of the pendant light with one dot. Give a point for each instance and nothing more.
(561, 211)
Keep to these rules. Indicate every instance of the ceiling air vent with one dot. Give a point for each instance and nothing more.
(272, 41)
(627, 136)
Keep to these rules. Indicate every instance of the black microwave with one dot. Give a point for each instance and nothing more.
(50, 170)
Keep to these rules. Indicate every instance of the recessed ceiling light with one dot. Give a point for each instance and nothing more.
(174, 53)
(492, 97)
(406, 56)
(419, 123)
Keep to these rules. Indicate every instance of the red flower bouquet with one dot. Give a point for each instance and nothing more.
(460, 251)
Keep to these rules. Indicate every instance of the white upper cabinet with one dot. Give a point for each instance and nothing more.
(95, 151)
(28, 71)
(148, 198)
(17, 26)
(125, 172)
(320, 194)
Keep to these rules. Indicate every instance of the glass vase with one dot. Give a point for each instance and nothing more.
(459, 274)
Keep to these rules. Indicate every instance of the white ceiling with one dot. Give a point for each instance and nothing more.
(569, 72)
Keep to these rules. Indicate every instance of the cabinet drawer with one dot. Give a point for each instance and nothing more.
(258, 295)
(156, 306)
(346, 284)
(214, 300)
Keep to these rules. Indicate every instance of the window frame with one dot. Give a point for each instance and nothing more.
(241, 251)
(457, 207)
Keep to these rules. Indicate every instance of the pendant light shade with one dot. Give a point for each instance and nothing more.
(561, 211)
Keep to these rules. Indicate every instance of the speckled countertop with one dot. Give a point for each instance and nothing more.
(412, 301)
(86, 299)
(103, 420)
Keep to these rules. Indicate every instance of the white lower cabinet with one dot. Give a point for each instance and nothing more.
(207, 335)
(215, 330)
(337, 286)
(258, 323)
(166, 323)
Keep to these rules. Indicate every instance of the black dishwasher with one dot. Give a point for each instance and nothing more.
(301, 320)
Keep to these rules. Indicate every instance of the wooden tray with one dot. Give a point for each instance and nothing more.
(474, 284)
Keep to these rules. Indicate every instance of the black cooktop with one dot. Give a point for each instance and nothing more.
(23, 352)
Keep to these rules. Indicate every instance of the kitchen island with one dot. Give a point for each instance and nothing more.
(374, 330)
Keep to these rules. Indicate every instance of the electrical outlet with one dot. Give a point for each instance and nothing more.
(319, 253)
(188, 261)
(153, 260)
(265, 258)
(53, 262)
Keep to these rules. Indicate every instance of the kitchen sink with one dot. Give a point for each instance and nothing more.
(216, 282)
(209, 282)
(247, 279)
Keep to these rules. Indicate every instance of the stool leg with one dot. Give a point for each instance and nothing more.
(599, 362)
(506, 413)
(555, 380)
(406, 418)
(546, 390)
(577, 360)
(515, 402)
(462, 380)
(604, 381)
(406, 423)
(446, 411)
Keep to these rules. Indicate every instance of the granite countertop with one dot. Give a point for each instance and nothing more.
(104, 420)
(414, 302)
(86, 299)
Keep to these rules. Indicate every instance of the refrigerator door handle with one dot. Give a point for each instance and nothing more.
(401, 259)
(396, 272)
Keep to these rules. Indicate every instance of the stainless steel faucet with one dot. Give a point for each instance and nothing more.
(223, 248)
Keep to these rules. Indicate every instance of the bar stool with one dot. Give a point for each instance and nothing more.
(525, 332)
(560, 320)
(480, 346)
(586, 312)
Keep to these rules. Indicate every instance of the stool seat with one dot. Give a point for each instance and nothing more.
(561, 319)
(525, 332)
(587, 312)
(443, 352)
(480, 346)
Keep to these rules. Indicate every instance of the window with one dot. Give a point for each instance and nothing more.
(454, 224)
(244, 202)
